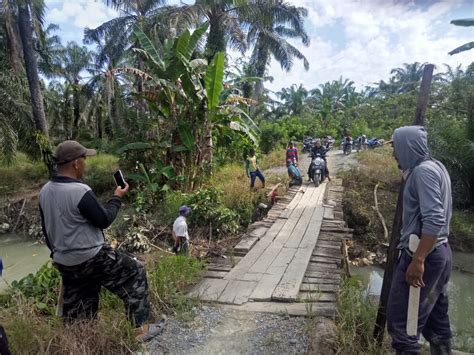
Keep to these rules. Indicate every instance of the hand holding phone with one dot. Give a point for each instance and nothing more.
(119, 179)
(122, 186)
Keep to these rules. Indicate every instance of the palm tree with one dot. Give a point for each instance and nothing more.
(31, 13)
(75, 59)
(467, 46)
(294, 98)
(151, 15)
(271, 23)
(225, 23)
(408, 76)
(332, 98)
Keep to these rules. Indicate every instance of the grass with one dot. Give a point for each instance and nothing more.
(22, 174)
(32, 328)
(378, 166)
(354, 320)
(375, 166)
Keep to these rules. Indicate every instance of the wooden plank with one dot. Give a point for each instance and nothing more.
(323, 275)
(269, 281)
(288, 287)
(324, 260)
(298, 196)
(263, 291)
(313, 267)
(319, 280)
(325, 266)
(215, 274)
(323, 309)
(326, 252)
(265, 260)
(216, 267)
(319, 287)
(328, 213)
(329, 245)
(209, 289)
(252, 256)
(237, 292)
(316, 296)
(310, 207)
(246, 244)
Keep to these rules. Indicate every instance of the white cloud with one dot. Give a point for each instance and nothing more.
(74, 16)
(379, 36)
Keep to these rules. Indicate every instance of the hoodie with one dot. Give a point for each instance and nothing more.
(427, 202)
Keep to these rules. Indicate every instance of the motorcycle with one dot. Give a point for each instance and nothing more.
(347, 147)
(307, 144)
(374, 143)
(318, 168)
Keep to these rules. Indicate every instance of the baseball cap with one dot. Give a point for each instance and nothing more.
(184, 210)
(68, 151)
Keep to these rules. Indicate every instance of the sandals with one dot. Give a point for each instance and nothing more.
(153, 331)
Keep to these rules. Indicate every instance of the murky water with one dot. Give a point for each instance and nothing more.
(461, 294)
(21, 256)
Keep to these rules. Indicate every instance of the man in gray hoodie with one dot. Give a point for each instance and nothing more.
(426, 214)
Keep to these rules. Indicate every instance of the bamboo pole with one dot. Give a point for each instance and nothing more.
(392, 253)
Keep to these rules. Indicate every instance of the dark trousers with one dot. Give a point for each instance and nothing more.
(433, 320)
(3, 342)
(254, 175)
(114, 270)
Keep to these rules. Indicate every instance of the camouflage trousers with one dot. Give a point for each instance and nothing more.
(117, 272)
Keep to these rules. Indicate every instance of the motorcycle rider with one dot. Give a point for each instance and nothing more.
(318, 149)
(347, 140)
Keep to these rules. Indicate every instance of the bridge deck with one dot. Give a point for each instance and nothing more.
(291, 260)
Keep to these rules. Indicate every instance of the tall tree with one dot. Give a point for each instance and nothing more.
(75, 59)
(25, 25)
(272, 22)
(225, 23)
(294, 98)
(408, 77)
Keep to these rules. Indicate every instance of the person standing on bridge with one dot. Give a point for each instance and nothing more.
(426, 216)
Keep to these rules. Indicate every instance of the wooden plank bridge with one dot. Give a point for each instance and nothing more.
(288, 262)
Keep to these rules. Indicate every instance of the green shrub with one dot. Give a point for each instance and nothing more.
(99, 173)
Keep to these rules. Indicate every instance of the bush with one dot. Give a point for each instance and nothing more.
(99, 173)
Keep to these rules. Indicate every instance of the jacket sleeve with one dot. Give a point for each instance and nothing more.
(100, 217)
(430, 198)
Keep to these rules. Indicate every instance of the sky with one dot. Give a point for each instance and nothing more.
(357, 39)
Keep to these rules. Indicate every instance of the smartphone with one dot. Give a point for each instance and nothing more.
(119, 179)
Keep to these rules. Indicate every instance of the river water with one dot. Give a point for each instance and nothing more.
(21, 256)
(461, 295)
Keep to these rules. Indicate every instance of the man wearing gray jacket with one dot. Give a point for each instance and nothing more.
(427, 207)
(73, 220)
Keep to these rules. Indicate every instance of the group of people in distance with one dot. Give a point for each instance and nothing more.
(253, 171)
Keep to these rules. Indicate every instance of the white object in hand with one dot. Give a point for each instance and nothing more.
(414, 295)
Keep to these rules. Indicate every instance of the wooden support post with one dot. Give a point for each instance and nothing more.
(392, 253)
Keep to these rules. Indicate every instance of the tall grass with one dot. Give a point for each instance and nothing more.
(21, 174)
(27, 313)
(355, 320)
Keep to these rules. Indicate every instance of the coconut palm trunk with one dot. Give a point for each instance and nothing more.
(31, 66)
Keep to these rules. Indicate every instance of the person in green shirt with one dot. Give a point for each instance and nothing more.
(252, 169)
